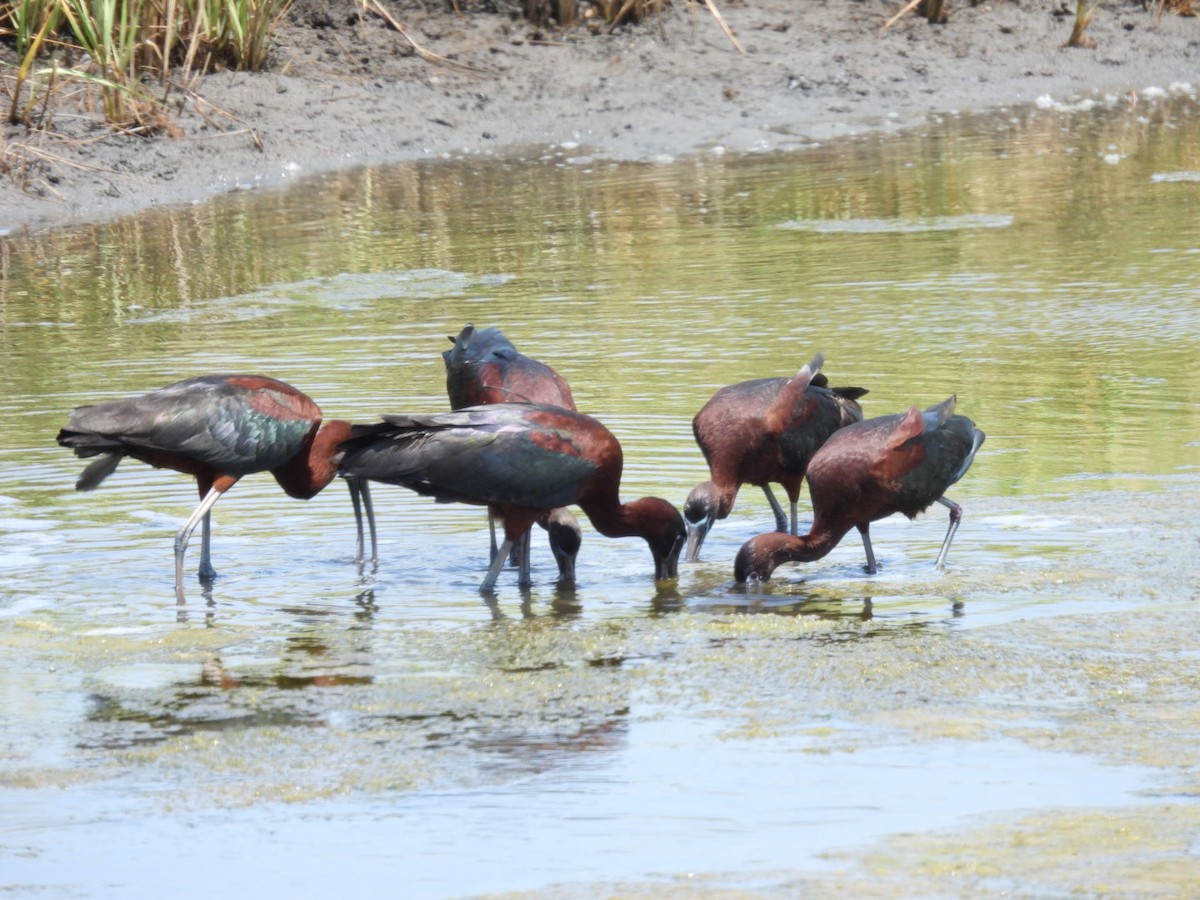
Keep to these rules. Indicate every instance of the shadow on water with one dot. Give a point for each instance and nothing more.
(813, 605)
(122, 727)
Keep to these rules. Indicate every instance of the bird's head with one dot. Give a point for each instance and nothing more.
(762, 555)
(565, 541)
(699, 513)
(662, 527)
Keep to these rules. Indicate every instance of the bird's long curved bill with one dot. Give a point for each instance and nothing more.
(667, 568)
(696, 533)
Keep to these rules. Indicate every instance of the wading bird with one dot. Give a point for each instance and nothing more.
(521, 460)
(763, 431)
(867, 471)
(217, 428)
(484, 367)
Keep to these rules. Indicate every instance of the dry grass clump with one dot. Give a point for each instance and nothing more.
(1085, 10)
(1179, 7)
(1083, 15)
(936, 12)
(566, 13)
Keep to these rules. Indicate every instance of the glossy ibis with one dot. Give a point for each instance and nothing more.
(763, 431)
(521, 460)
(484, 367)
(867, 471)
(217, 428)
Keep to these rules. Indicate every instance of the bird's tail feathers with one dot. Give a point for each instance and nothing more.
(976, 443)
(98, 470)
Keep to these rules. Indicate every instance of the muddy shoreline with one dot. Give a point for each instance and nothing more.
(347, 90)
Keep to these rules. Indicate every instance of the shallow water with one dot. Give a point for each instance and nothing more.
(1042, 265)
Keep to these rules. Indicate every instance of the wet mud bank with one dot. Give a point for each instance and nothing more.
(345, 90)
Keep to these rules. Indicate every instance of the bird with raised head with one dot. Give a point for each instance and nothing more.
(867, 471)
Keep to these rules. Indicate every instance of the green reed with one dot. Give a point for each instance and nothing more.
(236, 33)
(123, 46)
(106, 30)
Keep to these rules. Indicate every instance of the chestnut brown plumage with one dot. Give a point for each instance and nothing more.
(521, 460)
(484, 367)
(899, 463)
(759, 432)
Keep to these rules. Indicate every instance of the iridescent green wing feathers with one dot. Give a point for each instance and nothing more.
(234, 427)
(499, 454)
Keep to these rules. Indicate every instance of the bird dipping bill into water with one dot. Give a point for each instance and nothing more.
(217, 428)
(763, 431)
(521, 460)
(867, 471)
(484, 367)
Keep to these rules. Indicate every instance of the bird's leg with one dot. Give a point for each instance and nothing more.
(499, 558)
(359, 537)
(492, 533)
(206, 571)
(865, 531)
(955, 518)
(781, 521)
(360, 496)
(369, 509)
(524, 574)
(520, 551)
(181, 539)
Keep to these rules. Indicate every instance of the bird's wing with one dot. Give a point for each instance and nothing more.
(976, 441)
(849, 393)
(940, 443)
(232, 427)
(485, 455)
(936, 415)
(812, 367)
(792, 406)
(485, 367)
(900, 449)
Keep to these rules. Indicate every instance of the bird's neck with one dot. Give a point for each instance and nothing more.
(308, 472)
(612, 518)
(814, 545)
(783, 548)
(653, 519)
(716, 496)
